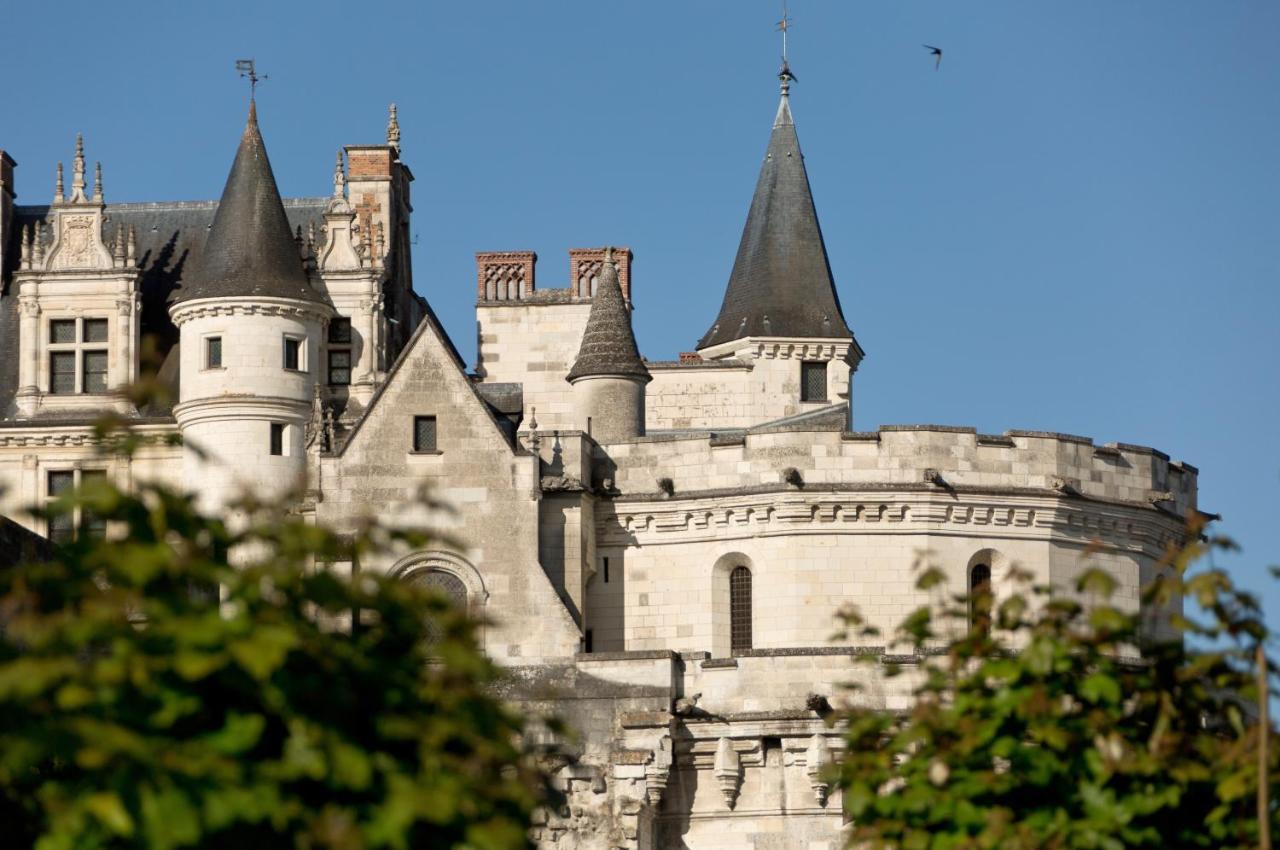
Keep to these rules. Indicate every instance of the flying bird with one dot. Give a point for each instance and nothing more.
(937, 55)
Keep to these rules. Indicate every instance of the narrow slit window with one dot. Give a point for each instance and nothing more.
(606, 570)
(62, 526)
(91, 525)
(213, 352)
(292, 353)
(980, 599)
(424, 434)
(739, 610)
(277, 439)
(813, 381)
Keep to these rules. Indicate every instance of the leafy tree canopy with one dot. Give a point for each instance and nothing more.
(154, 696)
(1061, 720)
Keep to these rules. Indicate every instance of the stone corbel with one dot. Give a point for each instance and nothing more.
(817, 757)
(657, 772)
(727, 770)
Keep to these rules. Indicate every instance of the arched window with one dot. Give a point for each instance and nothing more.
(739, 609)
(980, 598)
(447, 585)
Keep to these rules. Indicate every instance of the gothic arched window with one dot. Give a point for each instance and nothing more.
(739, 609)
(980, 598)
(447, 585)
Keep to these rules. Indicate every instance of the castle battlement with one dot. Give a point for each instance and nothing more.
(923, 457)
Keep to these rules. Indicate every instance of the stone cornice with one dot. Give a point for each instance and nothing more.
(208, 307)
(1036, 515)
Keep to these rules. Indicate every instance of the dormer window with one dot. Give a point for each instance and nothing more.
(77, 356)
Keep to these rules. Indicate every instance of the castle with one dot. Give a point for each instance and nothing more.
(659, 547)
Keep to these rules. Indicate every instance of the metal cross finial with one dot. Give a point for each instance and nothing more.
(246, 69)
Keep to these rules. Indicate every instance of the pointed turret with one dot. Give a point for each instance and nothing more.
(781, 284)
(250, 250)
(608, 376)
(608, 344)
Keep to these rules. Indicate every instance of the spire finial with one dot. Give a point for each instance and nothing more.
(393, 129)
(339, 178)
(608, 254)
(58, 196)
(785, 74)
(97, 182)
(247, 69)
(77, 171)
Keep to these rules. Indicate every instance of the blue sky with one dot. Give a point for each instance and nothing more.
(1071, 226)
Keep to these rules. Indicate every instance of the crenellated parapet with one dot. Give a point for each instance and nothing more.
(929, 459)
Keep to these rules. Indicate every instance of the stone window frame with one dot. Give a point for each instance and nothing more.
(442, 560)
(206, 341)
(78, 348)
(81, 523)
(721, 609)
(807, 366)
(992, 560)
(301, 340)
(413, 435)
(281, 428)
(339, 346)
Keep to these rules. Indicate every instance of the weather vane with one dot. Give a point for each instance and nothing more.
(246, 69)
(783, 26)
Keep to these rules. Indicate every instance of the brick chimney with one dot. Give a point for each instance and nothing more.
(584, 268)
(505, 275)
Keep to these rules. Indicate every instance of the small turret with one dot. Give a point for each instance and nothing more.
(609, 376)
(251, 327)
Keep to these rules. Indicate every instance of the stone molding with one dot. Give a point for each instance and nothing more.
(202, 308)
(786, 512)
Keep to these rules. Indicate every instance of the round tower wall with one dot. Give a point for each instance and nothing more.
(243, 405)
(610, 408)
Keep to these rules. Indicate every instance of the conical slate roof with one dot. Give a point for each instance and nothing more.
(608, 345)
(781, 283)
(250, 250)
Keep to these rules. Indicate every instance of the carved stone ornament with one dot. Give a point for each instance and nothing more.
(727, 770)
(817, 757)
(657, 772)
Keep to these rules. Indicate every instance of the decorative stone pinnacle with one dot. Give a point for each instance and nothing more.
(339, 178)
(77, 171)
(26, 246)
(97, 182)
(132, 251)
(117, 245)
(57, 186)
(393, 129)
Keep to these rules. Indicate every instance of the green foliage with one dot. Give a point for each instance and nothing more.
(1068, 724)
(154, 696)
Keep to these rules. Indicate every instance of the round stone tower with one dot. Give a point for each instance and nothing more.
(250, 328)
(608, 376)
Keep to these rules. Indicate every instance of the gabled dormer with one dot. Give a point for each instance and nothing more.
(77, 285)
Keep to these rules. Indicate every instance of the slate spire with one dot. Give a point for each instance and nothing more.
(608, 344)
(781, 284)
(250, 250)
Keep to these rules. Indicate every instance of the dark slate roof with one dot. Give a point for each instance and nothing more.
(251, 249)
(781, 283)
(19, 546)
(171, 239)
(608, 344)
